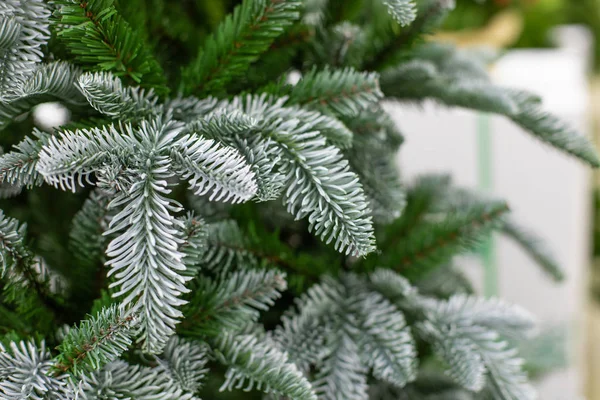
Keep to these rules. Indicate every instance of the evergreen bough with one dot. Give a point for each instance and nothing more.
(223, 209)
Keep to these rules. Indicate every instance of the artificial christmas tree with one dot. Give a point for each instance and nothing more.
(205, 218)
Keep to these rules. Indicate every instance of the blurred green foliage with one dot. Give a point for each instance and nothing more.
(539, 16)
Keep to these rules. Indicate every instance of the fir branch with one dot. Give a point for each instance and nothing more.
(68, 160)
(457, 198)
(476, 326)
(7, 190)
(429, 14)
(464, 331)
(506, 379)
(342, 373)
(98, 340)
(228, 247)
(421, 198)
(431, 244)
(149, 238)
(253, 363)
(25, 373)
(449, 81)
(213, 169)
(261, 156)
(536, 249)
(344, 44)
(389, 348)
(86, 240)
(48, 82)
(376, 123)
(231, 302)
(101, 39)
(342, 92)
(550, 129)
(190, 109)
(418, 80)
(106, 94)
(194, 243)
(184, 361)
(238, 42)
(494, 314)
(465, 365)
(302, 334)
(371, 159)
(403, 11)
(122, 380)
(18, 167)
(320, 185)
(23, 271)
(23, 32)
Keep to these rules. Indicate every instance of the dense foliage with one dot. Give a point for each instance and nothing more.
(223, 209)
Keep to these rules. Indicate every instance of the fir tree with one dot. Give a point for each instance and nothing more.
(204, 222)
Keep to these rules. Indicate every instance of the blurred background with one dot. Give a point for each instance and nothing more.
(550, 47)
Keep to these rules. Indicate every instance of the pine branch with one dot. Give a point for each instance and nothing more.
(97, 341)
(238, 42)
(23, 32)
(343, 92)
(320, 185)
(389, 348)
(465, 364)
(403, 11)
(68, 160)
(376, 166)
(550, 129)
(101, 39)
(231, 302)
(302, 334)
(430, 13)
(260, 155)
(106, 93)
(213, 169)
(18, 167)
(49, 82)
(25, 273)
(86, 240)
(420, 80)
(194, 245)
(253, 363)
(536, 249)
(25, 373)
(432, 244)
(144, 258)
(447, 76)
(342, 374)
(184, 361)
(122, 380)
